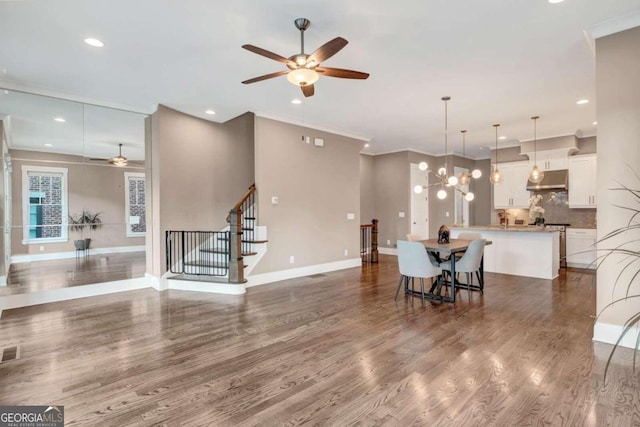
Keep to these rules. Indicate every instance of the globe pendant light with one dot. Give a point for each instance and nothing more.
(465, 178)
(496, 177)
(536, 174)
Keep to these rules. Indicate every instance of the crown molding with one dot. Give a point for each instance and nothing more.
(611, 26)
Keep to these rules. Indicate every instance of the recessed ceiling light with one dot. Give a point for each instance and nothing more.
(555, 1)
(582, 101)
(367, 145)
(503, 137)
(595, 123)
(48, 145)
(296, 101)
(210, 112)
(60, 119)
(93, 42)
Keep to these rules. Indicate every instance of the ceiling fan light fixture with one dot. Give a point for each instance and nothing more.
(302, 77)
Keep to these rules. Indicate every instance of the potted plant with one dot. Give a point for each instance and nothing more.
(536, 211)
(625, 251)
(84, 222)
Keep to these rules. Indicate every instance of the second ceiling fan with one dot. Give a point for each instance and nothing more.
(304, 70)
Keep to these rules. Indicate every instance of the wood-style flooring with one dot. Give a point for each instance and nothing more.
(36, 276)
(330, 350)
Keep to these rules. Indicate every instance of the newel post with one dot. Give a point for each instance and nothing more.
(236, 265)
(374, 240)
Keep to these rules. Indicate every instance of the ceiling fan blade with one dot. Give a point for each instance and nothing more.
(341, 73)
(265, 77)
(270, 55)
(308, 90)
(327, 50)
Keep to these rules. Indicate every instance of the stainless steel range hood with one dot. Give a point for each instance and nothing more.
(553, 180)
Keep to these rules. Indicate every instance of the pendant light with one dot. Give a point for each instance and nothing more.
(451, 180)
(464, 177)
(496, 177)
(536, 174)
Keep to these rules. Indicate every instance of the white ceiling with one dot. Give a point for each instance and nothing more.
(500, 61)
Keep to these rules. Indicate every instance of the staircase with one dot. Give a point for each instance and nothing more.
(218, 256)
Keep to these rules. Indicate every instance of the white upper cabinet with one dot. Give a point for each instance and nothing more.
(551, 160)
(512, 191)
(582, 181)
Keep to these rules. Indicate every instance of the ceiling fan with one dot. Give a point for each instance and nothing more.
(119, 160)
(304, 70)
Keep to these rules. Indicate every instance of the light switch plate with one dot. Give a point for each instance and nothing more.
(351, 216)
(401, 214)
(274, 200)
(318, 142)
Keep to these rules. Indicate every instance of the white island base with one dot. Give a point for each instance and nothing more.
(520, 251)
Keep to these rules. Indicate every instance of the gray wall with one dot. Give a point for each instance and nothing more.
(316, 188)
(367, 191)
(480, 208)
(96, 188)
(3, 267)
(618, 115)
(199, 170)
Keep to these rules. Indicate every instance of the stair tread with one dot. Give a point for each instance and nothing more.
(221, 251)
(245, 241)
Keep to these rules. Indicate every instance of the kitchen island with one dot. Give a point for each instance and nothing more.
(519, 250)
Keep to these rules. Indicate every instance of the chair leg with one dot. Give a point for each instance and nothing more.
(422, 289)
(399, 284)
(480, 282)
(469, 279)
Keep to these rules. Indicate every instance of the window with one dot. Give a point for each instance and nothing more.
(44, 204)
(135, 204)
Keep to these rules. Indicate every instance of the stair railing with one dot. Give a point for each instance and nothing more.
(369, 242)
(197, 253)
(241, 219)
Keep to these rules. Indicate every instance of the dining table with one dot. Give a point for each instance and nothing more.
(440, 251)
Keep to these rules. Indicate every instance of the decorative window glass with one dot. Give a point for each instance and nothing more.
(135, 200)
(44, 204)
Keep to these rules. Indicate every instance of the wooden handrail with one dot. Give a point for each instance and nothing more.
(252, 189)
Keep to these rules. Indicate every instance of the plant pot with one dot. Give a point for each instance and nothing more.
(82, 245)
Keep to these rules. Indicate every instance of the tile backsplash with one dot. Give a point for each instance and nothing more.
(557, 211)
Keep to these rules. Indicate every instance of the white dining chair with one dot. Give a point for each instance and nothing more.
(469, 236)
(414, 262)
(469, 263)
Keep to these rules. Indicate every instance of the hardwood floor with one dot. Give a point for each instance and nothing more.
(330, 350)
(64, 273)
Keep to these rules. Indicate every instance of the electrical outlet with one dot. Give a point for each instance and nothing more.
(292, 259)
(388, 242)
(41, 248)
(346, 252)
(446, 214)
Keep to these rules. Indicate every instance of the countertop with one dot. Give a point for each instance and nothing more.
(513, 228)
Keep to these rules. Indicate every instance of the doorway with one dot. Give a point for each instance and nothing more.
(419, 202)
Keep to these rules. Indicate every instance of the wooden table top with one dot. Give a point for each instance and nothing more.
(454, 245)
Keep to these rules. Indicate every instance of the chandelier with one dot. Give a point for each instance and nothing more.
(444, 179)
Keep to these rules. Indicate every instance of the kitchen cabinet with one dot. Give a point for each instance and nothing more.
(581, 248)
(582, 181)
(550, 160)
(512, 191)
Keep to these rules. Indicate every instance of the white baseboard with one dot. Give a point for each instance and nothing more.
(63, 294)
(607, 333)
(261, 279)
(66, 255)
(388, 251)
(208, 287)
(153, 281)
